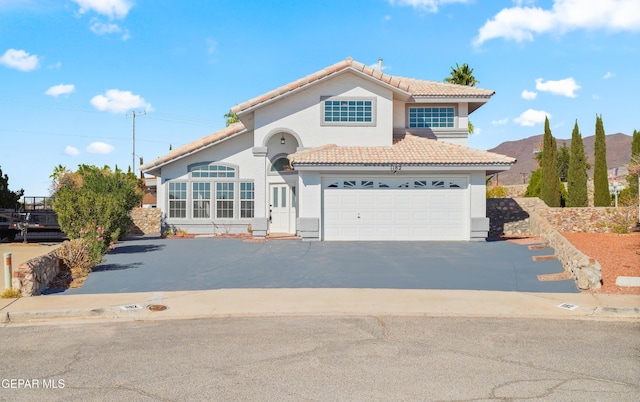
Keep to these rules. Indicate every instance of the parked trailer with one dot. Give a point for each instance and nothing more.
(35, 214)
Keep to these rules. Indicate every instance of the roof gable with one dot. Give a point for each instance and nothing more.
(408, 86)
(194, 146)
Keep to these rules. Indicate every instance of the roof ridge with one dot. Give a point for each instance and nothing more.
(413, 86)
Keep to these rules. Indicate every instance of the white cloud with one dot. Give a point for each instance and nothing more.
(72, 151)
(430, 6)
(55, 66)
(116, 101)
(530, 117)
(100, 28)
(109, 8)
(608, 75)
(565, 87)
(20, 60)
(61, 89)
(99, 148)
(500, 122)
(477, 131)
(528, 94)
(523, 23)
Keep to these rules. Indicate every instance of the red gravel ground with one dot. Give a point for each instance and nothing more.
(618, 255)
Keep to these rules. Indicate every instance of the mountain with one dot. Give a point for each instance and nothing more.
(618, 155)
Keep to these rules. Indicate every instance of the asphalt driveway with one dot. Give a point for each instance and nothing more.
(155, 264)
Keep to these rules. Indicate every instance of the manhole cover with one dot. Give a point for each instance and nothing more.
(156, 307)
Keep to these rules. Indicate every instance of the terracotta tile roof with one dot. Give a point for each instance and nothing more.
(411, 86)
(411, 150)
(194, 146)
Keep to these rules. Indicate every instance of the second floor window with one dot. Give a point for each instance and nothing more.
(348, 111)
(431, 117)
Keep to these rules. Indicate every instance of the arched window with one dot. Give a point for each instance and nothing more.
(281, 165)
(213, 170)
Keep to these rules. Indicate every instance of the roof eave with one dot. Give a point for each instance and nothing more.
(501, 167)
(154, 169)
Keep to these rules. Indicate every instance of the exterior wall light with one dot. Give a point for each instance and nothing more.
(282, 139)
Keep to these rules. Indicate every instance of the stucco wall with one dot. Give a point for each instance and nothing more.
(301, 113)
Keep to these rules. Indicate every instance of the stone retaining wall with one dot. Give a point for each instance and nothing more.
(33, 276)
(146, 221)
(585, 270)
(531, 216)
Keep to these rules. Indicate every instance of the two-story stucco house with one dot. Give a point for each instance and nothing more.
(346, 153)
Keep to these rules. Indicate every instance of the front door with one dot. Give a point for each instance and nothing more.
(280, 208)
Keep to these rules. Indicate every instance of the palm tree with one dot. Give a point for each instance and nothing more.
(463, 75)
(231, 118)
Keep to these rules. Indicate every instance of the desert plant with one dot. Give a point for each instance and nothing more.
(621, 222)
(496, 192)
(181, 232)
(75, 255)
(10, 294)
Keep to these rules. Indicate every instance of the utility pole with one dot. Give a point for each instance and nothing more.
(132, 116)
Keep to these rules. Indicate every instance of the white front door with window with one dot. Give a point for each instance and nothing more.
(281, 208)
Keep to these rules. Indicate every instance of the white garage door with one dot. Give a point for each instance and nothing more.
(396, 209)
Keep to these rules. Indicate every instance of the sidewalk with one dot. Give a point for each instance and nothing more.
(298, 302)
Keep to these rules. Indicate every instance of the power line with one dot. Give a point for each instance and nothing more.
(77, 135)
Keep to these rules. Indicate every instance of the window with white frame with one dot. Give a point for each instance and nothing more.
(224, 200)
(348, 111)
(177, 200)
(213, 170)
(431, 117)
(201, 200)
(246, 200)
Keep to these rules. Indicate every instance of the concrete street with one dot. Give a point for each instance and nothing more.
(323, 358)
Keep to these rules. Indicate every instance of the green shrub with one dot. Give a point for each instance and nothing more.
(95, 204)
(496, 192)
(535, 184)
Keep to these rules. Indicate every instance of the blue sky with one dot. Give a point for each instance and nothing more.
(71, 70)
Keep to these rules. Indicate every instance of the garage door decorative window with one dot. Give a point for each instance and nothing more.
(452, 183)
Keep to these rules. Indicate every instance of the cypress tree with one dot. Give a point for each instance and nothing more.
(601, 195)
(535, 182)
(550, 190)
(577, 181)
(632, 179)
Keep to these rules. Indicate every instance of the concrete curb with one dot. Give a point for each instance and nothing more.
(322, 302)
(47, 315)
